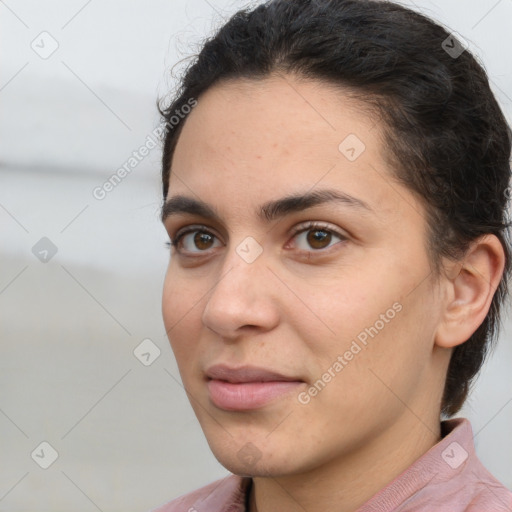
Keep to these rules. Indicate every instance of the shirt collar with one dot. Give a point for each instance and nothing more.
(446, 460)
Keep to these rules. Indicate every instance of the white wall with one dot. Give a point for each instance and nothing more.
(125, 434)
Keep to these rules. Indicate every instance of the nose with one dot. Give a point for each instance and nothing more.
(242, 298)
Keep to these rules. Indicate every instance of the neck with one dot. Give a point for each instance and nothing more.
(349, 480)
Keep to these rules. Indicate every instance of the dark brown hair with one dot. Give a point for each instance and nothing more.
(447, 138)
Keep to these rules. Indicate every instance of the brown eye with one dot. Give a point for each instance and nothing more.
(203, 241)
(318, 238)
(195, 241)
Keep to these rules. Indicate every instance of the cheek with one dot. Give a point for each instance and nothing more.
(180, 296)
(371, 320)
(390, 356)
(180, 310)
(368, 388)
(334, 312)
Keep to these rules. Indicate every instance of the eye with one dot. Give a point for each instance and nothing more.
(316, 236)
(313, 235)
(194, 239)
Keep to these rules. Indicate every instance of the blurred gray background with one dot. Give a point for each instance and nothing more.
(78, 85)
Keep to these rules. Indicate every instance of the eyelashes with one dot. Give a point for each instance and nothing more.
(317, 234)
(327, 234)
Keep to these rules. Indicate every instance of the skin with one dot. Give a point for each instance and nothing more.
(299, 306)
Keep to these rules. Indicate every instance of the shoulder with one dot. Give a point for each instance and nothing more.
(478, 488)
(488, 493)
(449, 477)
(214, 497)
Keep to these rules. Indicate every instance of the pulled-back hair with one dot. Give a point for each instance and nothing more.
(446, 137)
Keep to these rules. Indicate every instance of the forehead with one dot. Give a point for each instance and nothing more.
(251, 140)
(285, 118)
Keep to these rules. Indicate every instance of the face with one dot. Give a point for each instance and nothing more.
(298, 300)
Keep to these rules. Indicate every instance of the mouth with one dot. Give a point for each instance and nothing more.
(248, 387)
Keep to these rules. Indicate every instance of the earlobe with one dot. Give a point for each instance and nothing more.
(470, 290)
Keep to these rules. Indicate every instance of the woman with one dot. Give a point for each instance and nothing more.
(335, 194)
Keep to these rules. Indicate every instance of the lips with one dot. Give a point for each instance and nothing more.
(247, 387)
(245, 374)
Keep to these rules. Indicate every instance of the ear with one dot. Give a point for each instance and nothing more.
(469, 291)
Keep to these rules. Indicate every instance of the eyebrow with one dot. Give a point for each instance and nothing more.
(269, 211)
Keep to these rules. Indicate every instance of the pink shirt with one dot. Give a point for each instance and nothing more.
(448, 478)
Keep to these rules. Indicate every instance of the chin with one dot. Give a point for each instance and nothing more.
(253, 468)
(246, 459)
